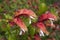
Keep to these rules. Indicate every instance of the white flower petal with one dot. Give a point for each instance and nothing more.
(41, 33)
(29, 21)
(23, 30)
(32, 17)
(20, 32)
(51, 18)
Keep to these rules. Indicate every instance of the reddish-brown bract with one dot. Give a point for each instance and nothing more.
(37, 37)
(20, 23)
(47, 16)
(26, 12)
(11, 23)
(42, 27)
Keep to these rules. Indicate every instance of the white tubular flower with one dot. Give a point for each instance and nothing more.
(32, 17)
(51, 20)
(20, 32)
(41, 33)
(23, 30)
(29, 21)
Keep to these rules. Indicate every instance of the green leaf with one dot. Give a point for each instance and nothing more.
(42, 8)
(11, 37)
(54, 11)
(1, 9)
(8, 16)
(31, 30)
(24, 37)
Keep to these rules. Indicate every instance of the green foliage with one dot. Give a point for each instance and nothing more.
(42, 8)
(24, 37)
(32, 30)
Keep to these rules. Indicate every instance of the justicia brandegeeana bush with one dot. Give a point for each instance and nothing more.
(39, 23)
(31, 20)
